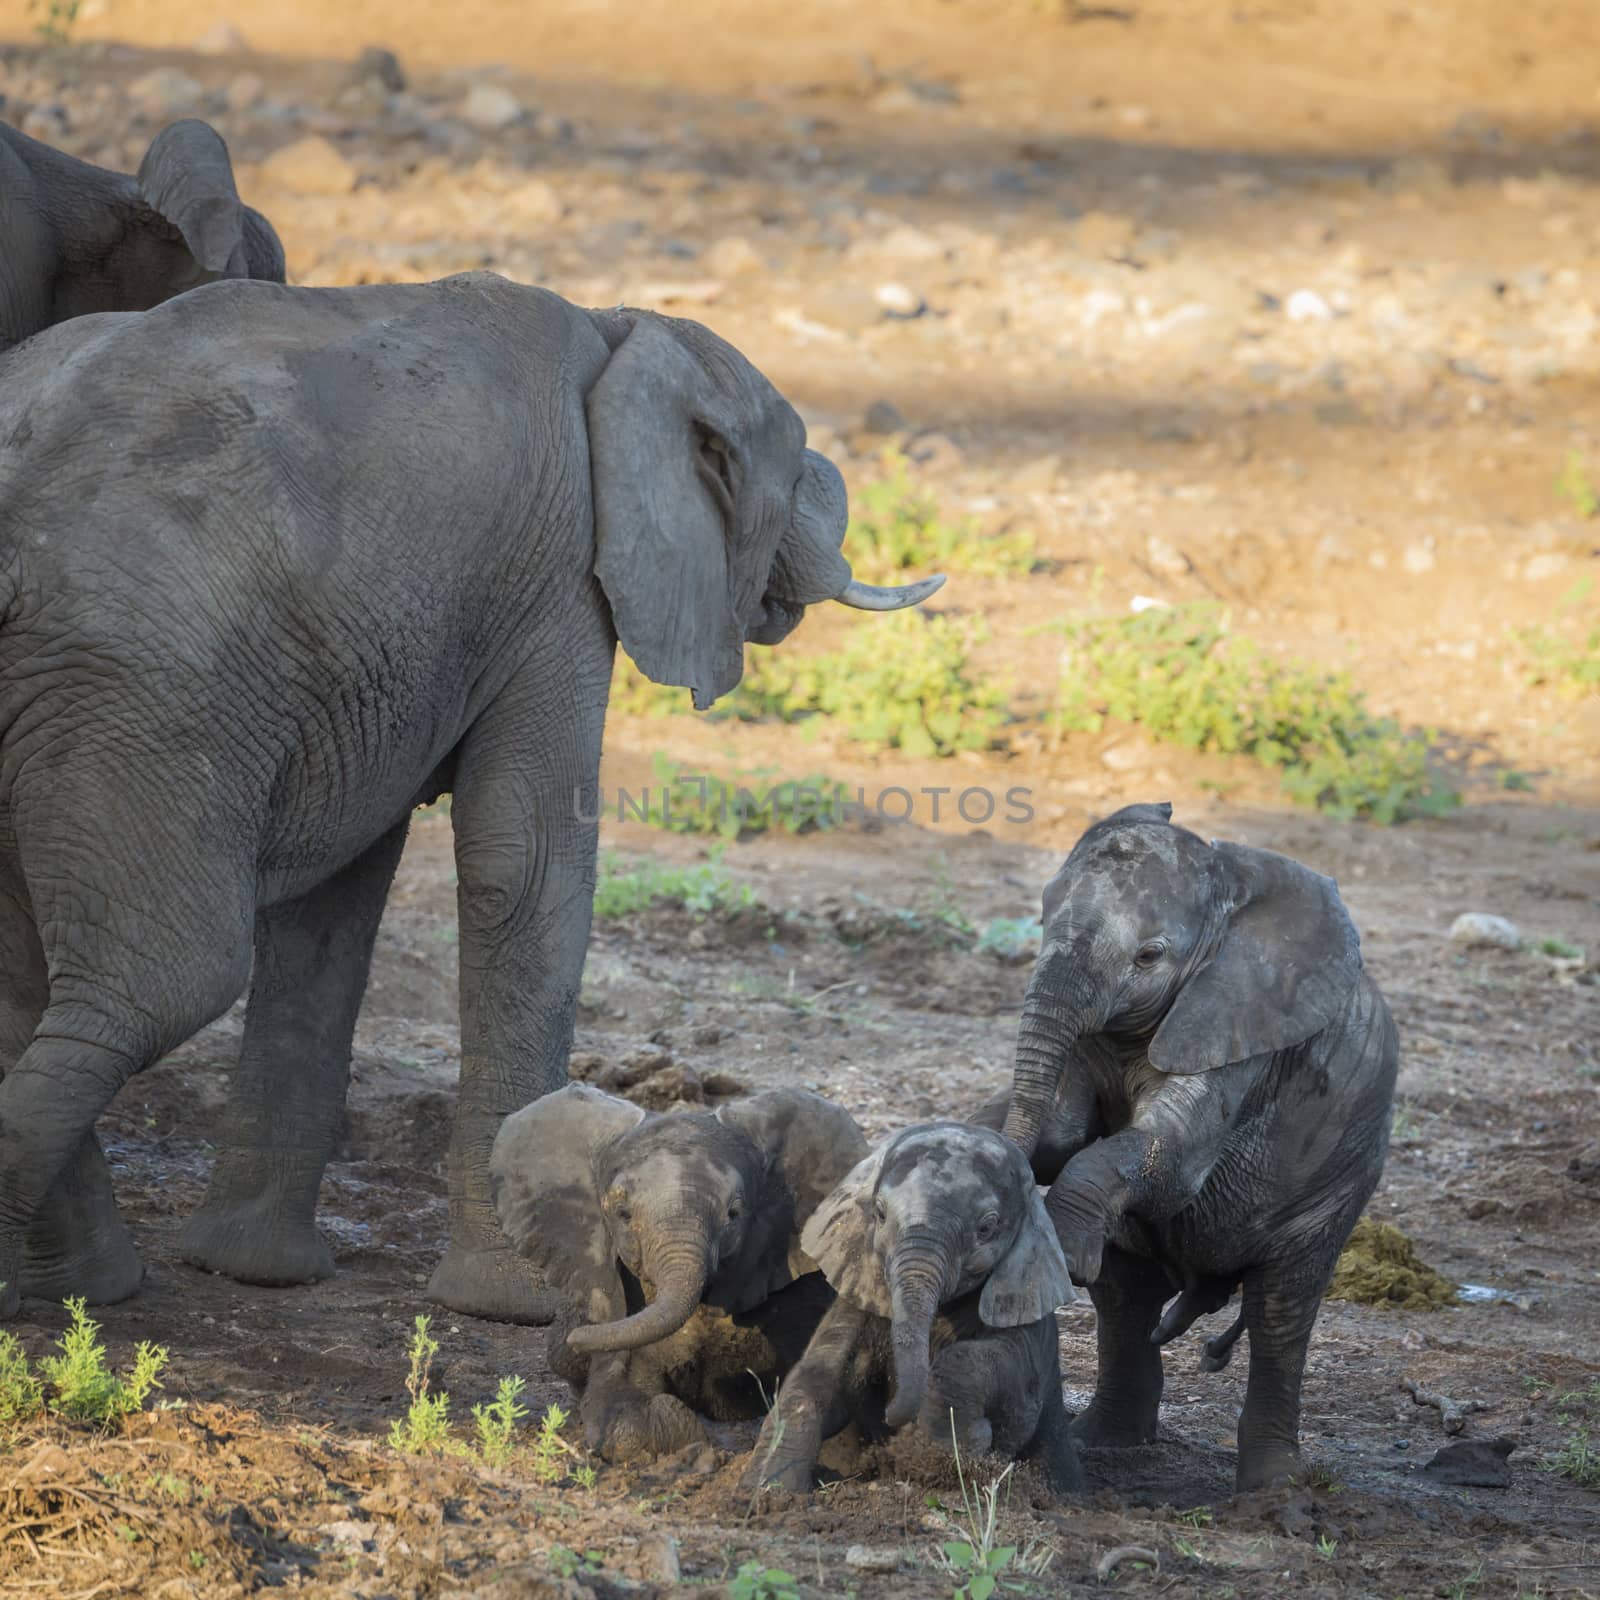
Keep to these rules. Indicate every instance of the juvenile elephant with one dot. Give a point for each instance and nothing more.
(948, 1277)
(676, 1241)
(75, 238)
(1204, 1074)
(356, 548)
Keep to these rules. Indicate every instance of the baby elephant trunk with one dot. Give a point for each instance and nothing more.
(917, 1273)
(678, 1268)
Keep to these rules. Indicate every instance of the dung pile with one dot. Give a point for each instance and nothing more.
(1380, 1267)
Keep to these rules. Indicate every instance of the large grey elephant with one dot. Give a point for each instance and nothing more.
(75, 238)
(948, 1276)
(1204, 1076)
(676, 1241)
(355, 548)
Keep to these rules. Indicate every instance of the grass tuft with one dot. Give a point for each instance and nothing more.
(623, 890)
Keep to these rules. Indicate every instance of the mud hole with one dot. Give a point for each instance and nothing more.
(1105, 214)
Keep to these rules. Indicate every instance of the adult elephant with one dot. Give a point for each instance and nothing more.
(76, 239)
(356, 547)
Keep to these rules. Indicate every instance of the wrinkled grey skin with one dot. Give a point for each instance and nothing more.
(676, 1242)
(358, 547)
(76, 239)
(1204, 1075)
(948, 1275)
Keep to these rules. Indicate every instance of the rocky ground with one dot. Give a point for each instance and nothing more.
(1293, 308)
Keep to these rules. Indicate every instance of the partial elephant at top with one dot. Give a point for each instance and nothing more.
(357, 548)
(76, 238)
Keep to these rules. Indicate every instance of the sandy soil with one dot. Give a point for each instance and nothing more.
(1107, 212)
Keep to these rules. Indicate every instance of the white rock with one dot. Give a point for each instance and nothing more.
(166, 92)
(310, 166)
(906, 243)
(899, 300)
(1477, 929)
(872, 1558)
(1165, 557)
(1419, 557)
(1306, 305)
(221, 39)
(489, 108)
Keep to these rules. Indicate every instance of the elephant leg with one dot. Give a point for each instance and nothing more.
(1128, 1296)
(525, 861)
(257, 1223)
(1053, 1450)
(77, 1243)
(1279, 1312)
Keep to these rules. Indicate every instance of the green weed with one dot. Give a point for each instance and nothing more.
(756, 1582)
(1197, 1516)
(905, 683)
(1178, 673)
(550, 1453)
(895, 528)
(1010, 938)
(21, 1393)
(425, 1428)
(85, 1389)
(497, 1422)
(735, 805)
(1561, 949)
(1577, 1460)
(1563, 654)
(977, 1560)
(623, 890)
(567, 1563)
(1575, 486)
(60, 18)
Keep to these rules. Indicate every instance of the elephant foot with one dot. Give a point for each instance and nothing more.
(107, 1270)
(627, 1427)
(791, 1477)
(254, 1245)
(1107, 1427)
(1265, 1468)
(496, 1284)
(10, 1292)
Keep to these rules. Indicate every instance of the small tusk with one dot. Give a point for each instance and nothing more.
(872, 597)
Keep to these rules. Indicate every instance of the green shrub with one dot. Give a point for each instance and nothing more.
(737, 805)
(1179, 674)
(21, 1393)
(85, 1389)
(497, 1421)
(1577, 1460)
(425, 1428)
(622, 890)
(895, 529)
(1575, 486)
(1563, 655)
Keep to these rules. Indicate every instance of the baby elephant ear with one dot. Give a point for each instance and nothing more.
(1288, 959)
(1031, 1279)
(541, 1175)
(187, 178)
(808, 1144)
(839, 1238)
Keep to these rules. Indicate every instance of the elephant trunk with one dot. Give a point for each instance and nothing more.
(918, 1272)
(1059, 1009)
(678, 1265)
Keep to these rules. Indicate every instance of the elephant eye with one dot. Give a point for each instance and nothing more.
(735, 1211)
(617, 1204)
(1150, 952)
(987, 1224)
(880, 1210)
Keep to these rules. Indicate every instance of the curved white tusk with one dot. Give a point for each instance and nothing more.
(872, 597)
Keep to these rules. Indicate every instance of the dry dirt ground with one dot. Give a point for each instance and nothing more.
(1291, 305)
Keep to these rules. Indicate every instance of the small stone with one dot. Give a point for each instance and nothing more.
(1127, 757)
(733, 257)
(1480, 930)
(872, 1558)
(380, 65)
(906, 243)
(347, 1534)
(221, 39)
(898, 300)
(165, 92)
(312, 165)
(244, 92)
(1547, 564)
(1419, 557)
(490, 108)
(1473, 1463)
(1165, 557)
(658, 1555)
(1306, 305)
(883, 417)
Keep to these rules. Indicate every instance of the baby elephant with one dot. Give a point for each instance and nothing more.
(948, 1276)
(675, 1242)
(1204, 1075)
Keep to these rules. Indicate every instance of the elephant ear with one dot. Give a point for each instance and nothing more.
(839, 1238)
(1031, 1279)
(1288, 959)
(665, 493)
(186, 178)
(808, 1144)
(541, 1176)
(263, 249)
